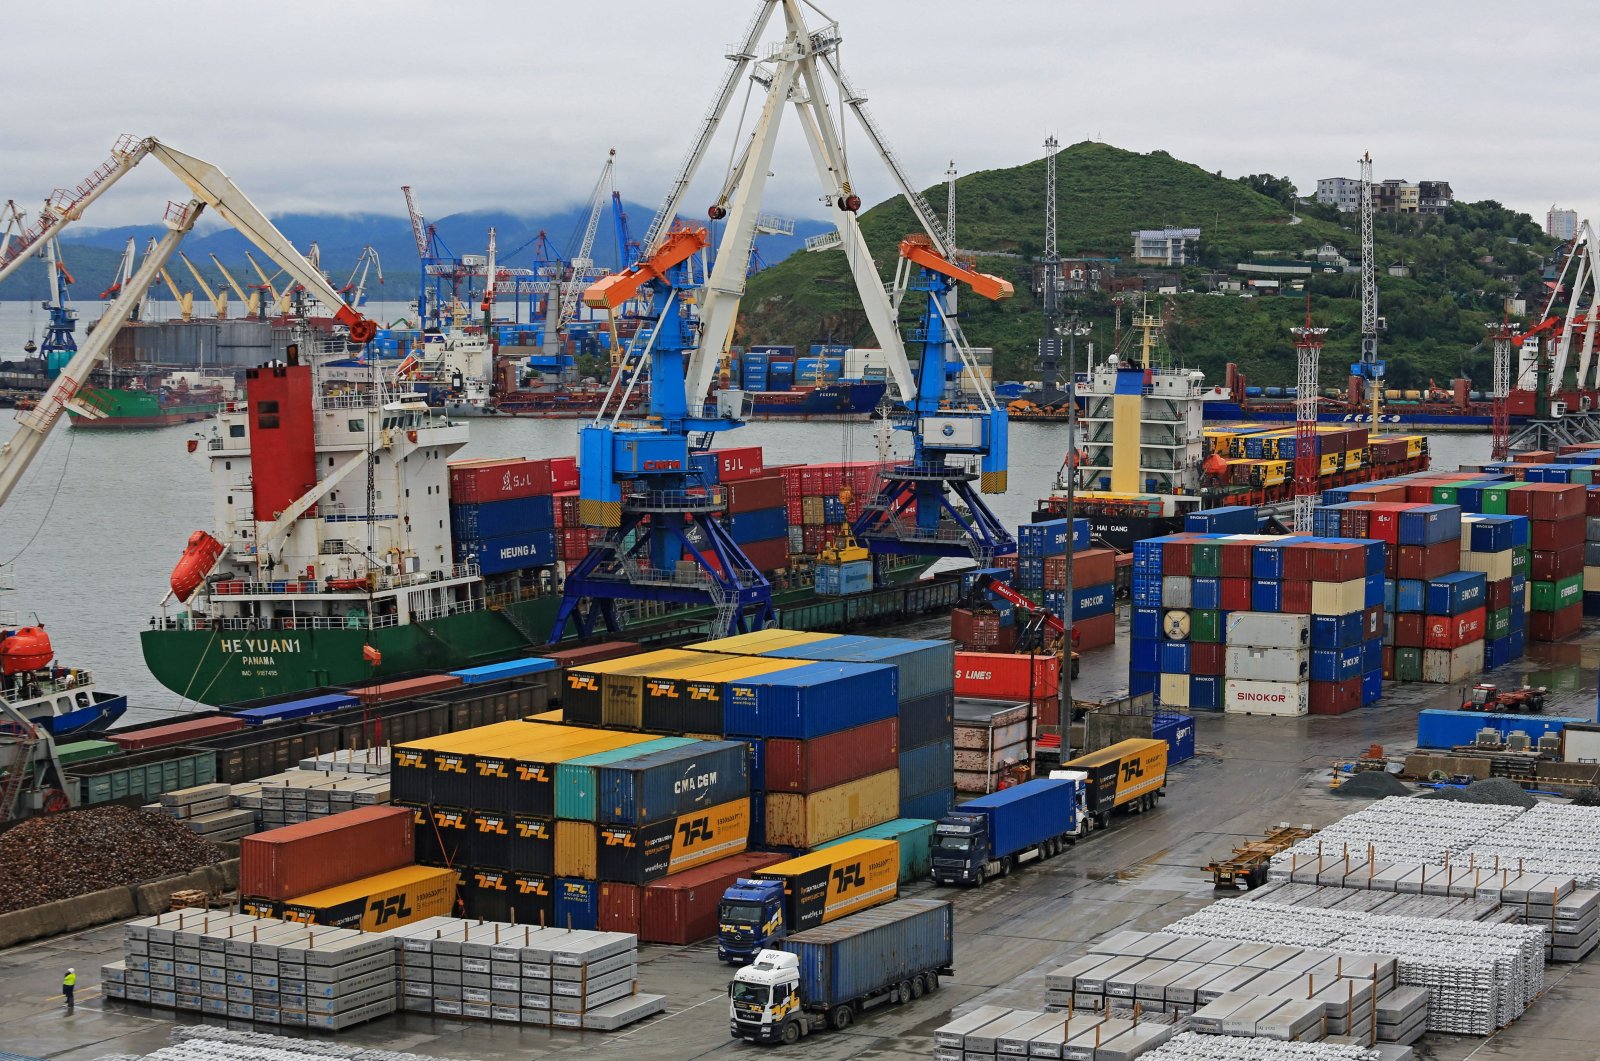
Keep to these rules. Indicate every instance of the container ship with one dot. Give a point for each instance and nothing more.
(348, 546)
(1146, 459)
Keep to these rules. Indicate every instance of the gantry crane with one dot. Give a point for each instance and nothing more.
(438, 264)
(251, 300)
(1370, 368)
(649, 551)
(580, 265)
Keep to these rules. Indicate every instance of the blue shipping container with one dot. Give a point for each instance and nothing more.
(868, 952)
(760, 525)
(1335, 631)
(1146, 622)
(1051, 537)
(1449, 729)
(1144, 655)
(934, 805)
(495, 672)
(496, 519)
(1205, 691)
(1229, 519)
(1335, 664)
(1174, 657)
(1371, 686)
(1025, 814)
(1430, 524)
(808, 702)
(1266, 596)
(292, 709)
(1457, 593)
(577, 904)
(1178, 731)
(662, 785)
(924, 667)
(496, 556)
(1410, 595)
(1094, 600)
(1206, 594)
(927, 769)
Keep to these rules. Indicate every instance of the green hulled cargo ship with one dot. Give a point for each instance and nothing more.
(104, 408)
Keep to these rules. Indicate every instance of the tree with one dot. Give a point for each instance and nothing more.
(1280, 188)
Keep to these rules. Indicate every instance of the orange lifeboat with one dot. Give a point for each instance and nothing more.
(198, 557)
(26, 649)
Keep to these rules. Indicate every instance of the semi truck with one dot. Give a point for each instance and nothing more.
(758, 911)
(826, 977)
(1130, 775)
(987, 836)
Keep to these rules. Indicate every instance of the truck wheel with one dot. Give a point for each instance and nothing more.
(917, 988)
(1005, 866)
(791, 1033)
(933, 982)
(905, 991)
(841, 1017)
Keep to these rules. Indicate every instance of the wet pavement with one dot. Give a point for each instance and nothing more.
(1250, 774)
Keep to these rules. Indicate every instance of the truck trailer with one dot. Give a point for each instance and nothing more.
(1130, 775)
(987, 836)
(826, 977)
(803, 893)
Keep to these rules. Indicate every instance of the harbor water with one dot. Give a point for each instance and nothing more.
(92, 533)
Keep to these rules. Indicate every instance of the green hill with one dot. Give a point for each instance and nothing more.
(1463, 266)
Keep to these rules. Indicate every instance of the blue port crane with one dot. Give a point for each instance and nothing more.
(663, 538)
(60, 338)
(439, 267)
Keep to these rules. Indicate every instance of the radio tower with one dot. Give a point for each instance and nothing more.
(1369, 368)
(1050, 345)
(1307, 461)
(1504, 336)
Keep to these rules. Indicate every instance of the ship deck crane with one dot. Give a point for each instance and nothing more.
(283, 300)
(185, 299)
(252, 300)
(649, 551)
(218, 296)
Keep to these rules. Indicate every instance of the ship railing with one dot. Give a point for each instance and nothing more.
(676, 500)
(351, 400)
(949, 467)
(894, 527)
(288, 622)
(34, 684)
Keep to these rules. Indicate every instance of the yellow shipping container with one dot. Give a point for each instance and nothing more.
(836, 881)
(1124, 772)
(581, 688)
(760, 641)
(381, 902)
(575, 850)
(804, 820)
(622, 691)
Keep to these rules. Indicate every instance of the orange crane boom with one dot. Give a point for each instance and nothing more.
(681, 244)
(991, 287)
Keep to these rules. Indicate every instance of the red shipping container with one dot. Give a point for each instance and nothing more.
(1428, 561)
(1419, 492)
(767, 556)
(568, 509)
(1550, 566)
(1554, 534)
(1235, 594)
(597, 653)
(1547, 501)
(1453, 631)
(1388, 663)
(498, 480)
(309, 856)
(175, 733)
(1409, 630)
(1296, 563)
(1177, 558)
(1296, 595)
(1498, 595)
(384, 692)
(1096, 632)
(1207, 658)
(740, 462)
(620, 907)
(996, 676)
(1534, 456)
(1591, 501)
(967, 625)
(1335, 698)
(682, 908)
(822, 762)
(563, 474)
(1336, 562)
(1372, 622)
(1555, 626)
(748, 495)
(1353, 523)
(1092, 567)
(1235, 559)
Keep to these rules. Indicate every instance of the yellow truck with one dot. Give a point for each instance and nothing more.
(1130, 776)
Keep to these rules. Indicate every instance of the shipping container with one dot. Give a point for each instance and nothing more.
(914, 837)
(1268, 664)
(621, 907)
(811, 701)
(576, 904)
(258, 751)
(290, 710)
(682, 908)
(577, 784)
(871, 952)
(186, 732)
(565, 658)
(405, 688)
(623, 691)
(474, 481)
(923, 668)
(576, 850)
(514, 668)
(639, 854)
(379, 902)
(1006, 676)
(826, 885)
(1247, 697)
(802, 821)
(669, 784)
(1446, 666)
(314, 855)
(811, 765)
(1446, 729)
(510, 552)
(498, 519)
(582, 696)
(926, 769)
(926, 721)
(690, 699)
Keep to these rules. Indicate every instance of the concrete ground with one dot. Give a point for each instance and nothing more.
(1251, 773)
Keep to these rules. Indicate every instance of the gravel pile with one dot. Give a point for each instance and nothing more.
(1495, 790)
(58, 856)
(1372, 784)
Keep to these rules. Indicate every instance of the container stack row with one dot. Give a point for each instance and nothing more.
(819, 498)
(502, 511)
(755, 515)
(1258, 625)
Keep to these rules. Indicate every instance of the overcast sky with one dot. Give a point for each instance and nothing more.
(330, 107)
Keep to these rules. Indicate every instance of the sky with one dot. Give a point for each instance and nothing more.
(320, 107)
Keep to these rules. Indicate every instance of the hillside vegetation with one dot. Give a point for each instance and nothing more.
(1463, 267)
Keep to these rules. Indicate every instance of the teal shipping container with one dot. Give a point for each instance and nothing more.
(915, 837)
(577, 783)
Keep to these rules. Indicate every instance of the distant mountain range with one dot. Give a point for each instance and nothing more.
(92, 254)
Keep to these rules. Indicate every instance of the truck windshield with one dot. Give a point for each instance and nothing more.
(955, 843)
(749, 994)
(741, 913)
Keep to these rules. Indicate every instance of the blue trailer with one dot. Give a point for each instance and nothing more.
(987, 836)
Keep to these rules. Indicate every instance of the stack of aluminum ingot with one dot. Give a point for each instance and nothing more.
(1402, 829)
(1481, 976)
(245, 968)
(518, 974)
(204, 1042)
(1550, 838)
(1189, 1046)
(300, 795)
(995, 1031)
(209, 811)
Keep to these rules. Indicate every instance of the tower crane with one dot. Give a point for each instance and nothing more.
(60, 341)
(1050, 345)
(663, 539)
(1307, 461)
(218, 297)
(1503, 337)
(1370, 368)
(252, 301)
(356, 286)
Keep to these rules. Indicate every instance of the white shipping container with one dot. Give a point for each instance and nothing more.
(1443, 666)
(1338, 598)
(1174, 690)
(1580, 743)
(1268, 664)
(1176, 591)
(1241, 697)
(1495, 566)
(1267, 630)
(1591, 580)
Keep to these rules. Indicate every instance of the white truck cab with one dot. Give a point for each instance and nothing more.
(765, 996)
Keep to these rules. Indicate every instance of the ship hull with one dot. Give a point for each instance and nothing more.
(831, 401)
(1392, 417)
(122, 409)
(229, 666)
(96, 718)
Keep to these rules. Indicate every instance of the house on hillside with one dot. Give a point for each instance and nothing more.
(1165, 246)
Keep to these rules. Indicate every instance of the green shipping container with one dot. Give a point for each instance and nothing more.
(1446, 495)
(1582, 476)
(1553, 596)
(1499, 624)
(85, 750)
(1520, 559)
(1408, 664)
(146, 779)
(1494, 500)
(1207, 560)
(915, 836)
(1206, 626)
(576, 779)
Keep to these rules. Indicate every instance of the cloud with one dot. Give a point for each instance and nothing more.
(331, 107)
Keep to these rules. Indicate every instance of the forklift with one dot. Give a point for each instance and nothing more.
(1043, 632)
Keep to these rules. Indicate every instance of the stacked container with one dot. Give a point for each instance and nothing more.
(502, 512)
(1591, 552)
(815, 499)
(1557, 533)
(1491, 546)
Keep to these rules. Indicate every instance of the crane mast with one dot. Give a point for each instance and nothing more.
(1050, 345)
(1307, 460)
(1370, 368)
(1504, 338)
